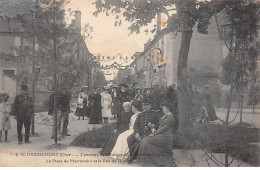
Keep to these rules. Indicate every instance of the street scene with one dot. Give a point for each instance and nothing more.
(129, 83)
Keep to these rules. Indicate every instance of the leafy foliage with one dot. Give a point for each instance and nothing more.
(239, 33)
(95, 138)
(142, 12)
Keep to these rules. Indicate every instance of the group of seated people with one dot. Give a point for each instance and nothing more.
(143, 135)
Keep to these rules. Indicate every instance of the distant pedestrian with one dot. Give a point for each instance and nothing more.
(131, 91)
(147, 94)
(5, 109)
(96, 115)
(64, 99)
(23, 110)
(138, 95)
(81, 110)
(116, 105)
(106, 101)
(124, 93)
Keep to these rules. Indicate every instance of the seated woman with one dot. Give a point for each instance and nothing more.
(122, 125)
(156, 149)
(121, 149)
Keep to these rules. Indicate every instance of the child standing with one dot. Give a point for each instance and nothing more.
(5, 109)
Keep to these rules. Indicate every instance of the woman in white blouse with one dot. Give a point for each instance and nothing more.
(106, 101)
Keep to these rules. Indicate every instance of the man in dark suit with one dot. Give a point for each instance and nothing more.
(64, 101)
(142, 127)
(23, 110)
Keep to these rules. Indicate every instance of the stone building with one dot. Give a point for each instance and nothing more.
(157, 64)
(16, 69)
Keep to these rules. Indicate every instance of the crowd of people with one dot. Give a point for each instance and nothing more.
(145, 118)
(102, 105)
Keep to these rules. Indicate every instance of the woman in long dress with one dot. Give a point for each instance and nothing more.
(96, 115)
(121, 149)
(122, 125)
(156, 149)
(106, 101)
(5, 109)
(116, 105)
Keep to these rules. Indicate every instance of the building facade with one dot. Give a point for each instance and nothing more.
(16, 67)
(157, 64)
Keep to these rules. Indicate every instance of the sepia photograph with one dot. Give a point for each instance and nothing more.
(129, 83)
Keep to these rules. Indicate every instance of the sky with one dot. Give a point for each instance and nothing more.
(108, 40)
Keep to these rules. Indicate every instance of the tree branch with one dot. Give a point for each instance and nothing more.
(234, 117)
(229, 48)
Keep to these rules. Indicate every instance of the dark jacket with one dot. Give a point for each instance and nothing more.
(123, 121)
(64, 101)
(23, 105)
(51, 104)
(143, 119)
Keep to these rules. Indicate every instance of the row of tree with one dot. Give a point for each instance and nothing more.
(52, 43)
(238, 30)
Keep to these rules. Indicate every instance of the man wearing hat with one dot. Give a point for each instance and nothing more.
(144, 123)
(23, 110)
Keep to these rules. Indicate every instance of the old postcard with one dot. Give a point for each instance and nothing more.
(129, 83)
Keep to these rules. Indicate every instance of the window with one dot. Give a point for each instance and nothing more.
(108, 57)
(103, 57)
(132, 57)
(9, 72)
(126, 58)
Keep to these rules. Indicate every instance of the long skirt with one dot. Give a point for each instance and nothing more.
(95, 116)
(106, 112)
(156, 151)
(116, 107)
(6, 124)
(88, 111)
(80, 112)
(108, 147)
(121, 149)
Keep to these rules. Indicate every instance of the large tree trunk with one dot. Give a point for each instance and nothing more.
(183, 102)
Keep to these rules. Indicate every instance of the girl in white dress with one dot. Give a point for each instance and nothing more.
(121, 147)
(106, 101)
(5, 109)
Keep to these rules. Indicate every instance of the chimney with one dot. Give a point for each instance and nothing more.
(78, 21)
(159, 20)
